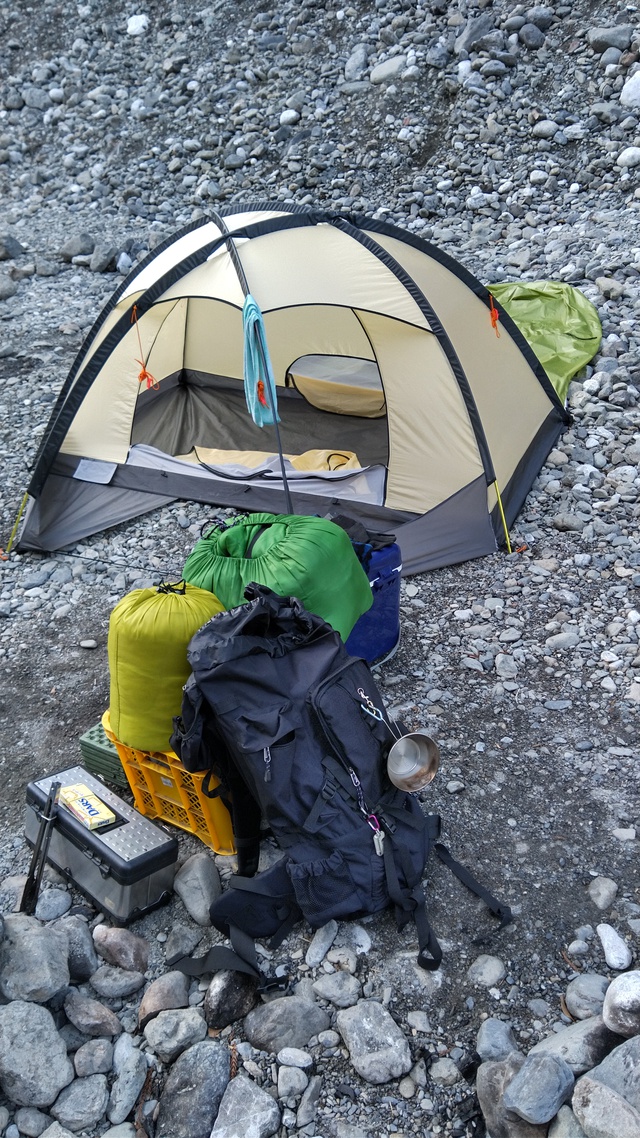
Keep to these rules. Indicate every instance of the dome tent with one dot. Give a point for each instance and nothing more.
(402, 401)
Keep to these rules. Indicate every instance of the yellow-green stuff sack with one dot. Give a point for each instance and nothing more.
(149, 632)
(295, 555)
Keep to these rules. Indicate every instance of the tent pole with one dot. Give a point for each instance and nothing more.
(287, 493)
(244, 284)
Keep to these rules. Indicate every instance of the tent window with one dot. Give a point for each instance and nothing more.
(340, 384)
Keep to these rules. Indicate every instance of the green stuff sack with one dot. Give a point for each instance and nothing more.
(561, 326)
(304, 557)
(149, 631)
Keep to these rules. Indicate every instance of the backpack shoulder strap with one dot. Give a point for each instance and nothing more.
(496, 907)
(412, 906)
(241, 957)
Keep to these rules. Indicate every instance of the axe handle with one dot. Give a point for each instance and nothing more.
(40, 849)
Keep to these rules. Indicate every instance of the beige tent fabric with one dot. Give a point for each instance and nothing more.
(323, 265)
(111, 320)
(163, 262)
(216, 278)
(314, 329)
(186, 245)
(102, 426)
(498, 374)
(215, 342)
(432, 448)
(341, 398)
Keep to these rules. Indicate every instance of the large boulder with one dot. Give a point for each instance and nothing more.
(193, 1091)
(287, 1022)
(33, 960)
(34, 1066)
(377, 1046)
(246, 1111)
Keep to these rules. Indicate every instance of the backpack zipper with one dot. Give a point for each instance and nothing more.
(371, 819)
(267, 764)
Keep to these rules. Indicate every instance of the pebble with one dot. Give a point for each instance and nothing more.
(602, 891)
(193, 1091)
(619, 1071)
(565, 1125)
(246, 1111)
(229, 997)
(621, 1010)
(90, 1016)
(34, 1067)
(94, 1058)
(172, 1031)
(339, 988)
(495, 1040)
(294, 1057)
(169, 991)
(487, 971)
(287, 1022)
(122, 948)
(585, 995)
(616, 951)
(321, 942)
(444, 1073)
(52, 903)
(582, 1045)
(197, 883)
(114, 983)
(291, 1081)
(596, 1105)
(81, 1105)
(419, 1020)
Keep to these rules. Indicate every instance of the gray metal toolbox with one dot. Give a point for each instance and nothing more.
(126, 868)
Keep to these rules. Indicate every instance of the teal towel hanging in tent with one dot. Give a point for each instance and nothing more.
(259, 384)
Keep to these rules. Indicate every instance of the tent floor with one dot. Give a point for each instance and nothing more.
(193, 409)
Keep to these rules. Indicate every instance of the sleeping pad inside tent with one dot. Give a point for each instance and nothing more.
(402, 400)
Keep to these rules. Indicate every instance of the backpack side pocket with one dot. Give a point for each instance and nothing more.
(324, 888)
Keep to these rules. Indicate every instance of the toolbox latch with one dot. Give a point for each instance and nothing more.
(100, 865)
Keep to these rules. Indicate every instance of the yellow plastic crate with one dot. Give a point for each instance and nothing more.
(162, 788)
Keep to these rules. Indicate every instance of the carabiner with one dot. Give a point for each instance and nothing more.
(374, 712)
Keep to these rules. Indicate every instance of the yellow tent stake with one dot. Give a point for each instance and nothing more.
(504, 520)
(16, 523)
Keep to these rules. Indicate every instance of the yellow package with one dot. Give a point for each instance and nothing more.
(86, 806)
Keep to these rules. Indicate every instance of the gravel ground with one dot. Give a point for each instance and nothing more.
(509, 136)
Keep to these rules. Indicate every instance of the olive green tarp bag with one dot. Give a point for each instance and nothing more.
(149, 631)
(295, 555)
(559, 323)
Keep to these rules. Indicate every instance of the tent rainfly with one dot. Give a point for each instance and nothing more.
(405, 398)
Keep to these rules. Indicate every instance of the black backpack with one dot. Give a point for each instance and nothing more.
(296, 730)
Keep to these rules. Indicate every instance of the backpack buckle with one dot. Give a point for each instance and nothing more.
(273, 984)
(329, 789)
(388, 823)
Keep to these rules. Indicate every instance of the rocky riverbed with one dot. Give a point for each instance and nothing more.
(510, 136)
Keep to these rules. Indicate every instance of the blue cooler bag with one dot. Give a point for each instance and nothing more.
(376, 634)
